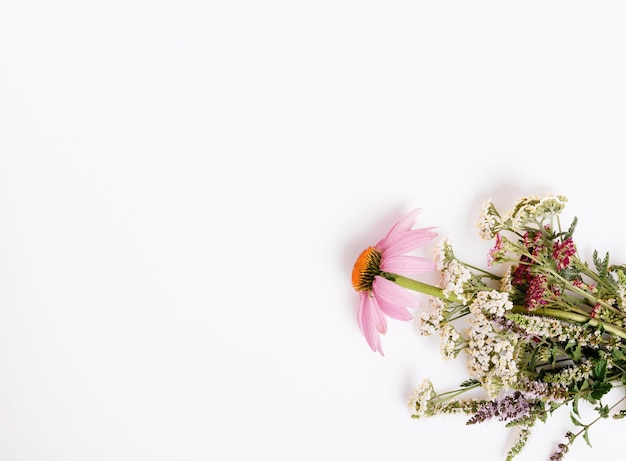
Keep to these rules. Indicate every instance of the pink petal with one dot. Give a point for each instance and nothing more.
(406, 264)
(393, 310)
(367, 309)
(409, 241)
(401, 226)
(380, 322)
(392, 293)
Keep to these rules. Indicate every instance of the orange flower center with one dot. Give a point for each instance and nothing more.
(366, 267)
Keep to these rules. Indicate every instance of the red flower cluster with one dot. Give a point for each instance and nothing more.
(536, 286)
(562, 252)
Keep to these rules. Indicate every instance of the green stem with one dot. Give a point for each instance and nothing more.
(587, 426)
(586, 295)
(455, 393)
(420, 287)
(572, 317)
(584, 268)
(478, 269)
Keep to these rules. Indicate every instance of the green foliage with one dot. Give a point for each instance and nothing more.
(620, 415)
(600, 386)
(469, 383)
(601, 265)
(586, 436)
(599, 370)
(575, 421)
(603, 410)
(570, 231)
(566, 326)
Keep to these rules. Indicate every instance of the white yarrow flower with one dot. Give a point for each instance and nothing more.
(453, 276)
(491, 352)
(450, 342)
(418, 402)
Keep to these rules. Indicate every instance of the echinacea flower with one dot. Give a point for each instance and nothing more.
(374, 272)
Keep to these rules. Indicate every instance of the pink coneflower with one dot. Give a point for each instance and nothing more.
(373, 273)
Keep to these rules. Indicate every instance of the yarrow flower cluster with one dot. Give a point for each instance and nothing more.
(546, 332)
(491, 349)
(422, 395)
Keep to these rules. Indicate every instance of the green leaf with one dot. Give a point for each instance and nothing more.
(603, 410)
(599, 389)
(555, 352)
(602, 266)
(575, 405)
(618, 355)
(586, 436)
(575, 421)
(599, 371)
(571, 229)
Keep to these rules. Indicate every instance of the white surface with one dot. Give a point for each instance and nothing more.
(184, 187)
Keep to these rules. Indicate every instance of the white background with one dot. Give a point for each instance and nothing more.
(184, 187)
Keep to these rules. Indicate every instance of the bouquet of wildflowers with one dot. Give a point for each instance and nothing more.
(545, 331)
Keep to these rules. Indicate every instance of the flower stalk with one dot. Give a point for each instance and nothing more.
(420, 287)
(573, 317)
